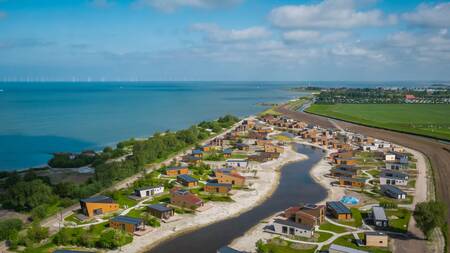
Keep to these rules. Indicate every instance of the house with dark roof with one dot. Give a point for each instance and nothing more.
(161, 211)
(291, 228)
(197, 153)
(392, 191)
(344, 171)
(187, 180)
(227, 153)
(242, 146)
(393, 177)
(98, 205)
(338, 210)
(378, 217)
(126, 223)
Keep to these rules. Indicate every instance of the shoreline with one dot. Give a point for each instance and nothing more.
(267, 181)
(248, 240)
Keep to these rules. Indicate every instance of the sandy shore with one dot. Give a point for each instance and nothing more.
(265, 183)
(248, 240)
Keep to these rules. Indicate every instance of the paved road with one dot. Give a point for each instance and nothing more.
(438, 153)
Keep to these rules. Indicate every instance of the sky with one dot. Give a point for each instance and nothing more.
(224, 40)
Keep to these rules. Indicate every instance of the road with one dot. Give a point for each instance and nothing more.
(437, 152)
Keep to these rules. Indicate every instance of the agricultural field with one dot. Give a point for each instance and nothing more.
(431, 120)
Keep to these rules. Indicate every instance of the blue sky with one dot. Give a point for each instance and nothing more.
(224, 40)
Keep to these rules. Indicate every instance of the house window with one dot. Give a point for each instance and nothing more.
(284, 230)
(291, 231)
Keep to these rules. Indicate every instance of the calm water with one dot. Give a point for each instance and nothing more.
(295, 186)
(37, 119)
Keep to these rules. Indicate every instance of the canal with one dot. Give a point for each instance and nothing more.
(296, 186)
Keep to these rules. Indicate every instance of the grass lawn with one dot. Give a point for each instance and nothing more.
(398, 219)
(374, 173)
(356, 221)
(165, 198)
(426, 119)
(122, 198)
(349, 241)
(331, 227)
(280, 246)
(323, 236)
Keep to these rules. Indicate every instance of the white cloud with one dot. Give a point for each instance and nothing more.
(431, 47)
(215, 33)
(309, 36)
(341, 14)
(172, 5)
(429, 15)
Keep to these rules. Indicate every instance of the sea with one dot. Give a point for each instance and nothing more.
(38, 119)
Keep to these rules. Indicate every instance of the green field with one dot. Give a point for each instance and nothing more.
(424, 119)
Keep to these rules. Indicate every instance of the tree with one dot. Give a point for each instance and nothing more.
(429, 215)
(25, 196)
(39, 212)
(9, 227)
(36, 233)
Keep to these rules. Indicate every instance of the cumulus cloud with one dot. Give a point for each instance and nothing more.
(214, 33)
(340, 14)
(430, 15)
(172, 5)
(432, 47)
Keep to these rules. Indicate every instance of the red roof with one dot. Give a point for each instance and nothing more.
(410, 97)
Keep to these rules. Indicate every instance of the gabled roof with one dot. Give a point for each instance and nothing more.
(127, 219)
(98, 199)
